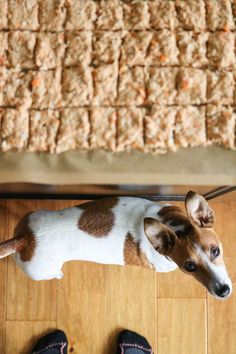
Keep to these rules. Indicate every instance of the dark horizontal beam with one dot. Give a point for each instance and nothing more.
(69, 196)
(96, 196)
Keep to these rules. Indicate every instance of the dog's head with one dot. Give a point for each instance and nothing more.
(191, 242)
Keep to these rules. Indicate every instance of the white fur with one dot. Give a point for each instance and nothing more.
(59, 239)
(218, 271)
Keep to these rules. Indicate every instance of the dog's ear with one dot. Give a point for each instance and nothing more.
(198, 210)
(161, 237)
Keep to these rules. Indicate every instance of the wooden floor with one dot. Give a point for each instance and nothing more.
(93, 303)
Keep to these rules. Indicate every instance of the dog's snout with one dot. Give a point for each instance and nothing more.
(222, 291)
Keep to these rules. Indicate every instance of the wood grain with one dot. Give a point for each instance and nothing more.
(222, 314)
(81, 302)
(182, 327)
(177, 284)
(222, 325)
(27, 299)
(130, 303)
(21, 336)
(3, 276)
(81, 306)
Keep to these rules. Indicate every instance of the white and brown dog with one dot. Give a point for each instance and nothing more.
(125, 231)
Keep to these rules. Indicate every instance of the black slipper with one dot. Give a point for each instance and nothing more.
(53, 343)
(132, 343)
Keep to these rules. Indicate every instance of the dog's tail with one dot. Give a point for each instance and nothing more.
(8, 247)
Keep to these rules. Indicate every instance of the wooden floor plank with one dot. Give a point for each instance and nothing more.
(81, 302)
(130, 303)
(21, 336)
(182, 326)
(27, 299)
(3, 276)
(222, 314)
(81, 306)
(222, 325)
(177, 284)
(226, 229)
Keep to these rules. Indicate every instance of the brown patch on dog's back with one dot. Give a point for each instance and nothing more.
(97, 218)
(25, 239)
(133, 255)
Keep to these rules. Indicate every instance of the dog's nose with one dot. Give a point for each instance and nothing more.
(223, 291)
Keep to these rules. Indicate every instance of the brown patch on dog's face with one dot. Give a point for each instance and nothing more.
(207, 239)
(189, 234)
(25, 239)
(197, 251)
(97, 218)
(174, 215)
(190, 243)
(191, 238)
(196, 246)
(161, 237)
(133, 255)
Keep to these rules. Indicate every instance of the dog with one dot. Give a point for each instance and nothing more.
(123, 231)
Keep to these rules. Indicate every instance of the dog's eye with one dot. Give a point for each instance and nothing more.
(215, 251)
(190, 266)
